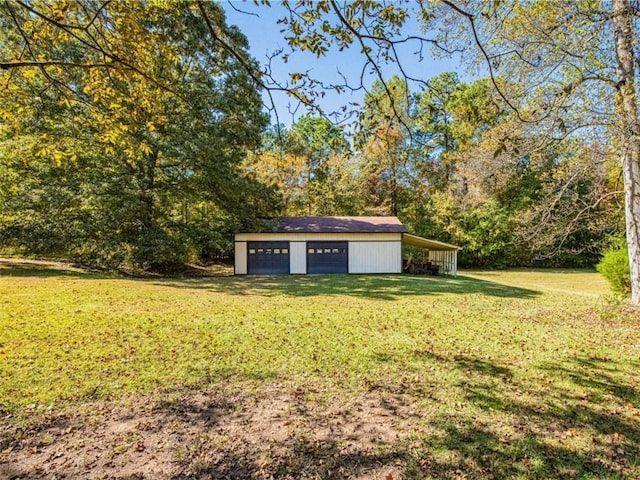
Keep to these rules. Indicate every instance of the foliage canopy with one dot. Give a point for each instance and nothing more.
(129, 162)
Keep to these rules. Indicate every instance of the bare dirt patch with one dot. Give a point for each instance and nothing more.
(277, 433)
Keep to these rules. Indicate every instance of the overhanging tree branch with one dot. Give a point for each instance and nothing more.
(73, 32)
(471, 18)
(374, 64)
(48, 63)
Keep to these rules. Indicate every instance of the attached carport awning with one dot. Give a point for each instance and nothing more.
(427, 243)
(442, 254)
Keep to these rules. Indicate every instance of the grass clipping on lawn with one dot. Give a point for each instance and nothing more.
(517, 374)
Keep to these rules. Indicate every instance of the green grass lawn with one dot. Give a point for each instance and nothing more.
(522, 374)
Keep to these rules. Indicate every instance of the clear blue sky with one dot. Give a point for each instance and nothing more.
(263, 32)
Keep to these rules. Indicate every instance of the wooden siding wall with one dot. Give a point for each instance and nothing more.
(241, 258)
(375, 257)
(298, 257)
(447, 259)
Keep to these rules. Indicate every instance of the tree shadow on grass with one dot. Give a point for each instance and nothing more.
(504, 427)
(28, 268)
(599, 376)
(305, 460)
(585, 429)
(381, 287)
(572, 419)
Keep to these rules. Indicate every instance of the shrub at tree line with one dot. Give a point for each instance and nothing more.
(614, 266)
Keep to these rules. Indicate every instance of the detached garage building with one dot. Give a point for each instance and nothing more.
(307, 245)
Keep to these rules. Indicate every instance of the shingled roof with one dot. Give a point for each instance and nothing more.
(340, 225)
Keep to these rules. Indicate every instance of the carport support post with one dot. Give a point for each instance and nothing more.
(455, 263)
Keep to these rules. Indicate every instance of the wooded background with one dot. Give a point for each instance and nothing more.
(133, 135)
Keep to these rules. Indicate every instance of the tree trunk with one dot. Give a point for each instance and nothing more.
(629, 125)
(147, 196)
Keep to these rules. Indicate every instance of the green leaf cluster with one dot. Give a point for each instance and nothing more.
(614, 266)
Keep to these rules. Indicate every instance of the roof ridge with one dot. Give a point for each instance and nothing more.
(341, 224)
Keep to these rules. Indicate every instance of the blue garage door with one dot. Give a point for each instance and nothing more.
(327, 257)
(267, 258)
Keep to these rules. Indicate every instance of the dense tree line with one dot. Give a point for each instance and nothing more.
(132, 134)
(124, 166)
(457, 166)
(571, 67)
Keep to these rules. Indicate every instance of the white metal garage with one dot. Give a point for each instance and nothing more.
(306, 245)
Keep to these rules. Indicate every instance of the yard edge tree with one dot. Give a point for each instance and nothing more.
(570, 35)
(629, 127)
